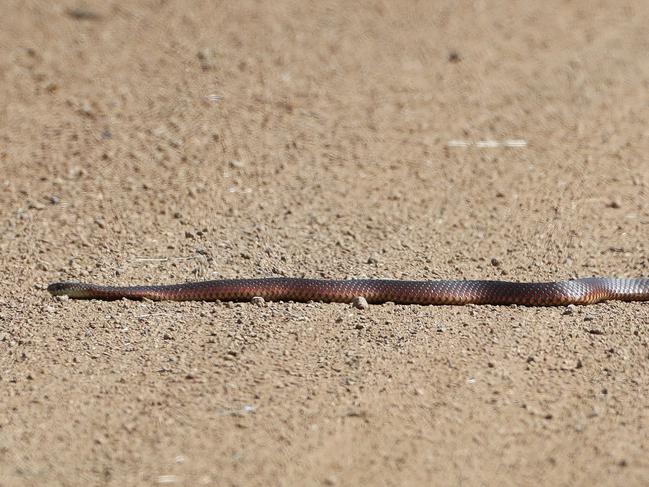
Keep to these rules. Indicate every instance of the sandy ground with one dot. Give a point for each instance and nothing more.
(165, 141)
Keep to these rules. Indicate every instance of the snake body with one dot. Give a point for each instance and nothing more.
(558, 293)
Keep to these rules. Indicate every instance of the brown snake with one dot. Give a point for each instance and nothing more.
(559, 293)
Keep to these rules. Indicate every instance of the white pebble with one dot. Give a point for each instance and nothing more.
(360, 302)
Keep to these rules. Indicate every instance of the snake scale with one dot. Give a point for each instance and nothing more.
(558, 293)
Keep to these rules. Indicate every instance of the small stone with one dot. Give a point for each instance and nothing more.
(189, 234)
(372, 260)
(81, 13)
(570, 309)
(168, 479)
(616, 204)
(236, 163)
(359, 326)
(86, 109)
(35, 206)
(359, 302)
(51, 87)
(595, 331)
(331, 480)
(206, 58)
(258, 301)
(495, 262)
(454, 57)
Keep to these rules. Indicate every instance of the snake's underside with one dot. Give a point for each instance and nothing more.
(559, 293)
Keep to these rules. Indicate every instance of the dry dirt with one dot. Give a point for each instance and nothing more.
(165, 141)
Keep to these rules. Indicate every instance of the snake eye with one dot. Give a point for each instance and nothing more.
(57, 288)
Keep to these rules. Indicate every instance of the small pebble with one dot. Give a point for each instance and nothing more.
(86, 108)
(454, 57)
(168, 479)
(495, 262)
(81, 13)
(360, 302)
(51, 87)
(615, 204)
(570, 309)
(35, 206)
(258, 301)
(236, 163)
(207, 59)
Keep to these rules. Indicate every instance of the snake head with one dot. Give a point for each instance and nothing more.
(62, 288)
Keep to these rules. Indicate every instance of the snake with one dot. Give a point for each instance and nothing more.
(581, 291)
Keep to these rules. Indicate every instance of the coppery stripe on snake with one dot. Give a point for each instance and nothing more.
(559, 293)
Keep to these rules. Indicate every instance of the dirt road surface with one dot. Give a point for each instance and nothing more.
(167, 141)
